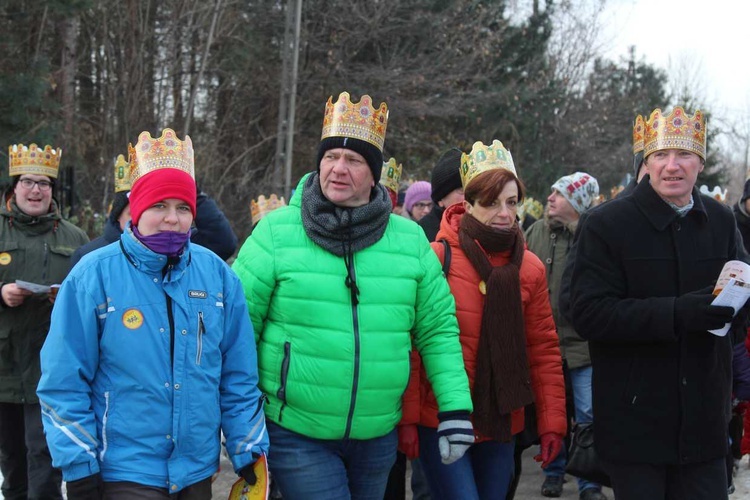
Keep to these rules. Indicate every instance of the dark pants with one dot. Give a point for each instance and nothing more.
(396, 487)
(702, 481)
(349, 469)
(24, 458)
(485, 471)
(123, 490)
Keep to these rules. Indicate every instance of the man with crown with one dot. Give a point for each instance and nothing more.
(150, 355)
(35, 246)
(339, 290)
(641, 294)
(211, 228)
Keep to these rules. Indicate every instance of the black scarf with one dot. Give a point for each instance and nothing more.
(343, 230)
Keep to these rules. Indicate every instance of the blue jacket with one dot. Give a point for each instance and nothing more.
(114, 399)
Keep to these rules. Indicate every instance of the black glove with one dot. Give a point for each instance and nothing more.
(87, 488)
(693, 312)
(248, 474)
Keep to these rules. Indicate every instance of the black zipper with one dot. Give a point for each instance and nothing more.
(46, 263)
(262, 399)
(355, 378)
(201, 331)
(170, 316)
(281, 393)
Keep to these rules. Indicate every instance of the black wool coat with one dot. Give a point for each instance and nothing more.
(660, 395)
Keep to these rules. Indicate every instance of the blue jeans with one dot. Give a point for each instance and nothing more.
(485, 471)
(580, 379)
(306, 468)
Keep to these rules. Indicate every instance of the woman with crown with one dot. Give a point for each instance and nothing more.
(508, 336)
(150, 355)
(339, 290)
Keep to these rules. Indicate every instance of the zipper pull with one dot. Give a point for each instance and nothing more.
(201, 326)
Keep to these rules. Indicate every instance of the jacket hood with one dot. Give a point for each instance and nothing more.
(37, 225)
(450, 223)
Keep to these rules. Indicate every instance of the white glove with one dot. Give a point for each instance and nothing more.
(455, 435)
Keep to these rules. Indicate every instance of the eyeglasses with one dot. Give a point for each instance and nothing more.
(29, 184)
(421, 205)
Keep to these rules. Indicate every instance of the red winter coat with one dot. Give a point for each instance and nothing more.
(542, 345)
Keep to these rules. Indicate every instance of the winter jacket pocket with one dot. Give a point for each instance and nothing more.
(281, 393)
(632, 387)
(199, 339)
(59, 263)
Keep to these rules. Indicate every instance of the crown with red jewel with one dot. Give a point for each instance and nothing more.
(675, 130)
(355, 120)
(264, 206)
(483, 158)
(391, 174)
(638, 129)
(166, 151)
(34, 160)
(122, 174)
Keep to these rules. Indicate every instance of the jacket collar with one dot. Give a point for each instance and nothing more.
(657, 211)
(112, 231)
(150, 262)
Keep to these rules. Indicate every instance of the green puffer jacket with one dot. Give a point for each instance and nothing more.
(332, 370)
(551, 244)
(35, 249)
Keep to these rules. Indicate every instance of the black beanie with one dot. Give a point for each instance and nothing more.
(746, 191)
(370, 152)
(118, 205)
(446, 176)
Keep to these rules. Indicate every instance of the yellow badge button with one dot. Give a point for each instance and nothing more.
(5, 259)
(132, 319)
(483, 287)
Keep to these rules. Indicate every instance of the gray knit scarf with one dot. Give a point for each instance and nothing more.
(341, 230)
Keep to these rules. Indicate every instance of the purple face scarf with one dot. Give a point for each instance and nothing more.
(169, 243)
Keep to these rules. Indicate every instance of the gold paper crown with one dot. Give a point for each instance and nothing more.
(165, 152)
(717, 193)
(122, 174)
(357, 121)
(33, 160)
(638, 129)
(390, 175)
(676, 130)
(265, 206)
(531, 207)
(483, 158)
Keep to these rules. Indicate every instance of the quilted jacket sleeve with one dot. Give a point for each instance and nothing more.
(256, 269)
(436, 336)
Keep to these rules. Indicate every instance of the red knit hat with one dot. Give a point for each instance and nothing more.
(159, 185)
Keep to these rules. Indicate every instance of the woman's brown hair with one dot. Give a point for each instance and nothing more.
(487, 186)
